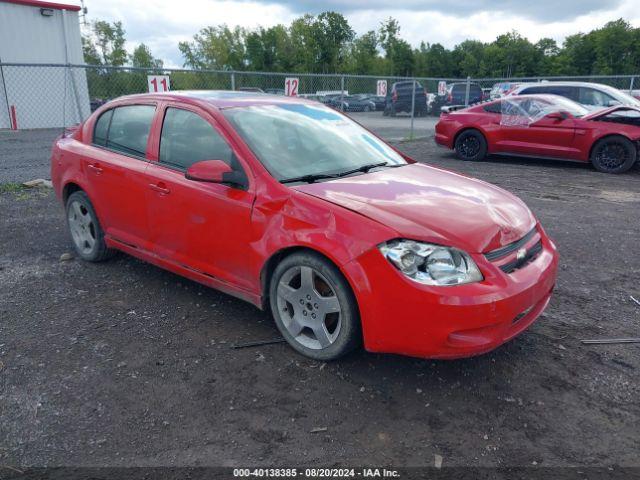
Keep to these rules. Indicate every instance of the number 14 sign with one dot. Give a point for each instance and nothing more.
(158, 83)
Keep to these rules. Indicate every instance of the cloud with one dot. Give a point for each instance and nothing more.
(162, 24)
(542, 10)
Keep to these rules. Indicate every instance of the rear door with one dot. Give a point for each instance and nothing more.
(203, 226)
(115, 169)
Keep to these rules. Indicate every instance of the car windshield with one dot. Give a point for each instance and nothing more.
(621, 96)
(295, 140)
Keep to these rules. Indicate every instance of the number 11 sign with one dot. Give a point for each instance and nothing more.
(158, 83)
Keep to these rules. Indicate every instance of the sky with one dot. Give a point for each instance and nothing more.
(161, 24)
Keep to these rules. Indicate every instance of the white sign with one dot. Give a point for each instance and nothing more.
(158, 83)
(442, 88)
(381, 88)
(291, 86)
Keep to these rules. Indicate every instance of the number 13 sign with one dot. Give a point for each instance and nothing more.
(158, 83)
(291, 86)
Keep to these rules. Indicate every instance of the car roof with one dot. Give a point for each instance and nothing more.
(219, 98)
(564, 84)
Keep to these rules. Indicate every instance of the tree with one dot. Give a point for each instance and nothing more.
(142, 58)
(217, 48)
(109, 43)
(398, 52)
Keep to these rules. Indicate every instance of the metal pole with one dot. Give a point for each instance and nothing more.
(631, 85)
(233, 80)
(413, 108)
(73, 80)
(466, 93)
(342, 93)
(4, 89)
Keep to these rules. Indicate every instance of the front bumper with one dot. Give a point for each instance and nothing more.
(402, 316)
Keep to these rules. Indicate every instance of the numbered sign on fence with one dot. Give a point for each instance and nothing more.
(381, 88)
(158, 83)
(291, 85)
(442, 88)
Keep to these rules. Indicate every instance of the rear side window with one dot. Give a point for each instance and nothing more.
(568, 92)
(188, 138)
(591, 96)
(493, 107)
(102, 128)
(125, 129)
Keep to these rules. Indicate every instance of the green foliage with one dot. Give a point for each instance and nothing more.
(142, 58)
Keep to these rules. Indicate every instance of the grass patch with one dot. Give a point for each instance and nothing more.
(11, 187)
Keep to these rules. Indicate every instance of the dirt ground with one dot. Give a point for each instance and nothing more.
(121, 363)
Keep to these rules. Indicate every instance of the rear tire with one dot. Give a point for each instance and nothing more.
(313, 307)
(615, 154)
(85, 229)
(471, 146)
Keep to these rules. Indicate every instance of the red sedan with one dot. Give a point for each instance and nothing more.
(292, 206)
(544, 126)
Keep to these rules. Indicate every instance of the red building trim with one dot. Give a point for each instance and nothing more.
(35, 3)
(14, 118)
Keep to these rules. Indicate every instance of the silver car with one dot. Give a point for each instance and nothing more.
(593, 96)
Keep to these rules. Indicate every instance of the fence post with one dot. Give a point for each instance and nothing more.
(342, 93)
(466, 93)
(233, 80)
(413, 107)
(631, 84)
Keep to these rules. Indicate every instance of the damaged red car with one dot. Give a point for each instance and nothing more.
(543, 126)
(295, 208)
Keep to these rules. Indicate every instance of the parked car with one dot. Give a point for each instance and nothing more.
(274, 91)
(501, 89)
(352, 103)
(457, 94)
(593, 96)
(635, 94)
(296, 208)
(379, 101)
(544, 126)
(399, 99)
(251, 89)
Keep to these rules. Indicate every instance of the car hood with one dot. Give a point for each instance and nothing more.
(606, 111)
(434, 205)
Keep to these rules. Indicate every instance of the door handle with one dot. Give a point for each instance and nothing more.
(95, 168)
(160, 188)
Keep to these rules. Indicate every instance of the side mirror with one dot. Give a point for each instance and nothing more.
(208, 171)
(559, 116)
(613, 103)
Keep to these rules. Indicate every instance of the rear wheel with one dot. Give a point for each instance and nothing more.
(86, 233)
(614, 155)
(471, 145)
(314, 307)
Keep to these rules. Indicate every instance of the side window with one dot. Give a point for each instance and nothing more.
(102, 128)
(493, 107)
(188, 138)
(590, 96)
(129, 129)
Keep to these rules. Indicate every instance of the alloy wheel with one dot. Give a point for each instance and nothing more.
(308, 307)
(469, 146)
(612, 155)
(83, 229)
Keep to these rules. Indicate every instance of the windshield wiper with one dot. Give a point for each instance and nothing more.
(363, 168)
(311, 178)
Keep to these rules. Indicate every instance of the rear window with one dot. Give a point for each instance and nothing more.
(125, 129)
(568, 92)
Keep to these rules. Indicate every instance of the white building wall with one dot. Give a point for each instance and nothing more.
(43, 97)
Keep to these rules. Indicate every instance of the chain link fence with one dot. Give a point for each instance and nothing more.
(55, 95)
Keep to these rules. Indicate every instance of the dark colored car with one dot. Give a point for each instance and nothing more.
(399, 98)
(457, 93)
(274, 91)
(251, 89)
(352, 103)
(379, 101)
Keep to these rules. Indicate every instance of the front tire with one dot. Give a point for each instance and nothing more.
(614, 154)
(86, 233)
(314, 308)
(471, 146)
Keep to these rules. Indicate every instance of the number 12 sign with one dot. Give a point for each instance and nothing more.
(291, 86)
(158, 83)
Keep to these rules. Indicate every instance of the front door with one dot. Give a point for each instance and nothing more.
(203, 226)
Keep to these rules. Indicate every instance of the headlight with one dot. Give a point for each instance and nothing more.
(431, 264)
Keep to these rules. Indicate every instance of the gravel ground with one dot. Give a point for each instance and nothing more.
(121, 363)
(24, 155)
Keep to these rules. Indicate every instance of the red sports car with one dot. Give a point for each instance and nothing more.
(294, 207)
(546, 126)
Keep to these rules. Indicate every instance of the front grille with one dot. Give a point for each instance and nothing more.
(512, 247)
(531, 254)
